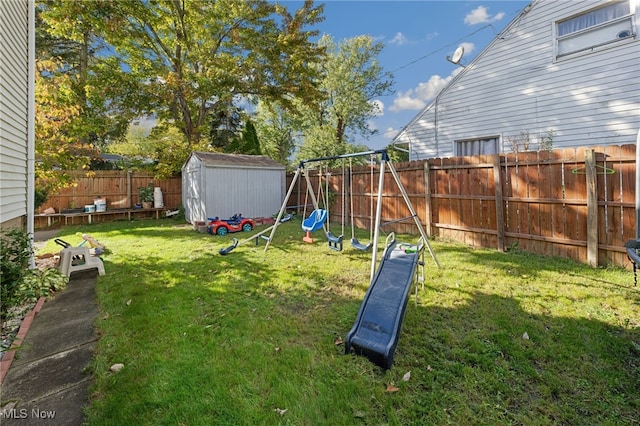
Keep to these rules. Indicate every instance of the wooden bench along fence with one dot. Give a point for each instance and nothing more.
(574, 203)
(121, 191)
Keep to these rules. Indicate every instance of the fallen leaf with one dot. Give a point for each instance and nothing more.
(525, 335)
(280, 411)
(406, 376)
(116, 367)
(359, 414)
(391, 388)
(338, 341)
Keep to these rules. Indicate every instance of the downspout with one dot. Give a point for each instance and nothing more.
(435, 123)
(31, 125)
(638, 186)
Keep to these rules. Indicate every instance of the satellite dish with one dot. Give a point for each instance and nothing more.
(457, 56)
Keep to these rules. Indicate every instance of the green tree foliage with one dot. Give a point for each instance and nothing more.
(224, 127)
(352, 78)
(396, 155)
(275, 129)
(77, 103)
(57, 111)
(68, 33)
(187, 59)
(162, 149)
(248, 143)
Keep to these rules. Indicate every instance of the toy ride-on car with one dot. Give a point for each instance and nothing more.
(235, 223)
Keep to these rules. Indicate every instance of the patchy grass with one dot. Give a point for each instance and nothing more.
(210, 339)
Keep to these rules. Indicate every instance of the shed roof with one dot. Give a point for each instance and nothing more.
(237, 160)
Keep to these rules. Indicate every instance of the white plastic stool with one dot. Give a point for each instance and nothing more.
(78, 259)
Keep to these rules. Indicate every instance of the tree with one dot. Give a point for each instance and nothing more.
(57, 108)
(248, 143)
(351, 80)
(275, 128)
(67, 32)
(396, 155)
(187, 59)
(224, 126)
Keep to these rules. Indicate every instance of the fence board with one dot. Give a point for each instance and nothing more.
(543, 199)
(113, 186)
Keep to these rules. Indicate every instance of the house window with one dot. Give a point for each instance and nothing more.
(595, 28)
(484, 146)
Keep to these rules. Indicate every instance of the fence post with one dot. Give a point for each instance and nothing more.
(427, 195)
(497, 181)
(592, 207)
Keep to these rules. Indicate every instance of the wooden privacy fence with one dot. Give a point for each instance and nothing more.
(577, 203)
(119, 188)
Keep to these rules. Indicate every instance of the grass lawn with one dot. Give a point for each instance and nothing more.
(495, 338)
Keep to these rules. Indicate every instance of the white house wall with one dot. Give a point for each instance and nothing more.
(14, 120)
(516, 85)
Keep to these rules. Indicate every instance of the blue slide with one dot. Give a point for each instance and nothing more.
(376, 330)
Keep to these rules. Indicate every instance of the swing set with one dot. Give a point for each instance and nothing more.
(376, 330)
(319, 217)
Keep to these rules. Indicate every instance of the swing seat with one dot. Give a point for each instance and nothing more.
(315, 220)
(229, 249)
(335, 243)
(358, 245)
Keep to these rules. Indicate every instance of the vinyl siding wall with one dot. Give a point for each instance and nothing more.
(516, 85)
(213, 190)
(14, 85)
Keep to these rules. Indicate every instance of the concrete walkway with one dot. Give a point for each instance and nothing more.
(47, 382)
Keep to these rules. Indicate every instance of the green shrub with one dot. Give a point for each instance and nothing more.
(15, 254)
(40, 195)
(40, 283)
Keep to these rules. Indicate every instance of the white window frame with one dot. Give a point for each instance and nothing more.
(606, 34)
(481, 149)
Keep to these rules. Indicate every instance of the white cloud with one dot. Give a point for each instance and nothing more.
(418, 98)
(468, 47)
(379, 106)
(407, 101)
(479, 15)
(431, 36)
(390, 132)
(399, 39)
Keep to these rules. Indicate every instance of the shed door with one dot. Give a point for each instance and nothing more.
(193, 204)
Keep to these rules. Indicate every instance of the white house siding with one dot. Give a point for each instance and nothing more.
(516, 85)
(14, 120)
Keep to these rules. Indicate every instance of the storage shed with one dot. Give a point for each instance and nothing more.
(222, 185)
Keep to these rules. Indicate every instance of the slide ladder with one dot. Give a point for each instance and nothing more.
(377, 327)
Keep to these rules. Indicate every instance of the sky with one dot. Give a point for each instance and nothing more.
(418, 36)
